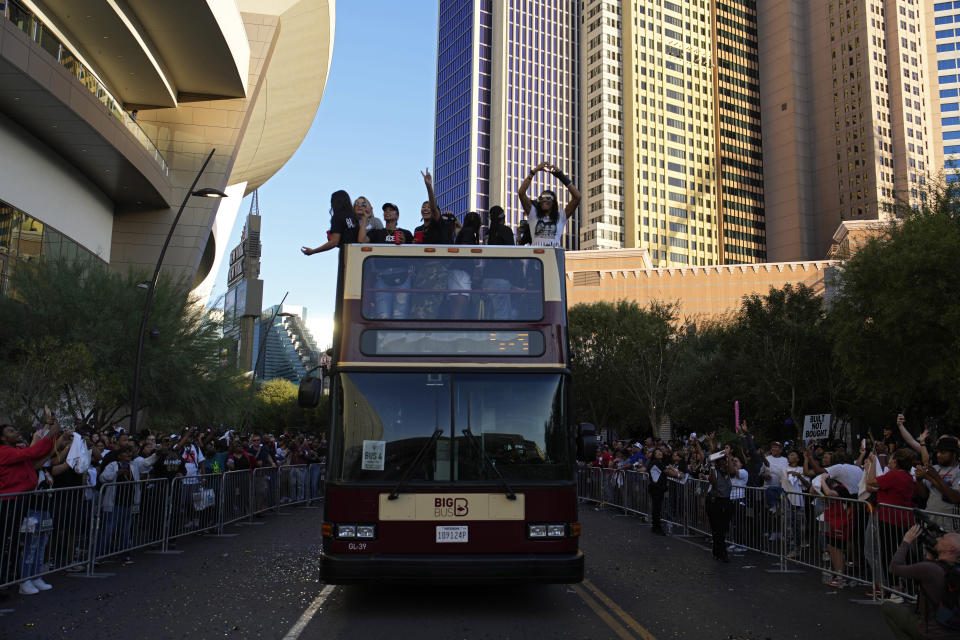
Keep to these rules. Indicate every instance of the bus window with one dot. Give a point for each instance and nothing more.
(481, 342)
(516, 421)
(452, 288)
(387, 419)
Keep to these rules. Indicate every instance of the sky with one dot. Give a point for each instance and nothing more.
(372, 135)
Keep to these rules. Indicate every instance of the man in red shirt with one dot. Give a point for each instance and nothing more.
(18, 474)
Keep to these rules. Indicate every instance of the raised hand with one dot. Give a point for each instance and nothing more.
(427, 178)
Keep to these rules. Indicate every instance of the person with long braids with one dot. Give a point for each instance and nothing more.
(546, 224)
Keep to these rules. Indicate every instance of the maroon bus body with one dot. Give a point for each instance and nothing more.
(497, 551)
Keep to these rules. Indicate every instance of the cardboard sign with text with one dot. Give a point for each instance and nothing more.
(816, 427)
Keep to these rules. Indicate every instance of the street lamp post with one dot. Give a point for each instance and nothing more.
(151, 286)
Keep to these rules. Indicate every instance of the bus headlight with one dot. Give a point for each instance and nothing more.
(346, 531)
(549, 530)
(366, 531)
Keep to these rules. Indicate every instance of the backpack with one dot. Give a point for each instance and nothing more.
(947, 613)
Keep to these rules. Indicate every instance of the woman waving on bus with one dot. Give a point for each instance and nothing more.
(546, 224)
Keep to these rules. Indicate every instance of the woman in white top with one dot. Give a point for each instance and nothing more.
(546, 223)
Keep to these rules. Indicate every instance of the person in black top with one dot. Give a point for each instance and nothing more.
(390, 234)
(461, 280)
(523, 233)
(470, 233)
(436, 229)
(344, 226)
(719, 507)
(497, 272)
(499, 233)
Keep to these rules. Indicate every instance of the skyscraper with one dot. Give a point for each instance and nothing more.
(945, 17)
(507, 98)
(671, 130)
(849, 129)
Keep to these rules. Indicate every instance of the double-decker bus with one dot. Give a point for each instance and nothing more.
(451, 458)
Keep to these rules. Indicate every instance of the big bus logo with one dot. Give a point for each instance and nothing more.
(450, 507)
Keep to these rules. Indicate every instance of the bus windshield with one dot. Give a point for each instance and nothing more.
(447, 288)
(513, 422)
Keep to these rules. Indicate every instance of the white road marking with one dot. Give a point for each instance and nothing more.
(311, 611)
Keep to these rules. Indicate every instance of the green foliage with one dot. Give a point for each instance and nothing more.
(275, 408)
(773, 357)
(623, 361)
(783, 352)
(890, 341)
(74, 326)
(897, 312)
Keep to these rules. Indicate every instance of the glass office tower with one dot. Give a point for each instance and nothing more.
(507, 98)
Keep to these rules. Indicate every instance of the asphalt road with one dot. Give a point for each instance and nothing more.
(262, 584)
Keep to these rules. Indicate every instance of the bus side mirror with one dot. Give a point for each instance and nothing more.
(586, 441)
(308, 395)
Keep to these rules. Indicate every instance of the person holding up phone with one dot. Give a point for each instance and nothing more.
(18, 475)
(17, 471)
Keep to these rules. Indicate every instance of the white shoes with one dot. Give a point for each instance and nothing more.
(39, 583)
(33, 587)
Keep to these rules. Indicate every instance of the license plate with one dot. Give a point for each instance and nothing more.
(451, 534)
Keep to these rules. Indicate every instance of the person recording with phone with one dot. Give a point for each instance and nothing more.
(18, 474)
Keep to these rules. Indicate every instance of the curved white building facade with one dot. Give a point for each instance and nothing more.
(108, 109)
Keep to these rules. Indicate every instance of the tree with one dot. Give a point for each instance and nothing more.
(707, 382)
(88, 315)
(896, 315)
(594, 341)
(648, 358)
(623, 358)
(782, 347)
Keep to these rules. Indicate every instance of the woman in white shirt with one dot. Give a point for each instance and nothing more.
(546, 224)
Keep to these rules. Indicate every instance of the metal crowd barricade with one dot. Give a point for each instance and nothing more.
(590, 484)
(236, 494)
(752, 525)
(846, 539)
(41, 532)
(265, 490)
(697, 506)
(315, 477)
(675, 504)
(126, 516)
(293, 484)
(193, 504)
(48, 531)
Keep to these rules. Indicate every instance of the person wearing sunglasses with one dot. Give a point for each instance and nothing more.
(546, 223)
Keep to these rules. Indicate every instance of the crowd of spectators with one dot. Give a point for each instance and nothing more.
(124, 473)
(815, 503)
